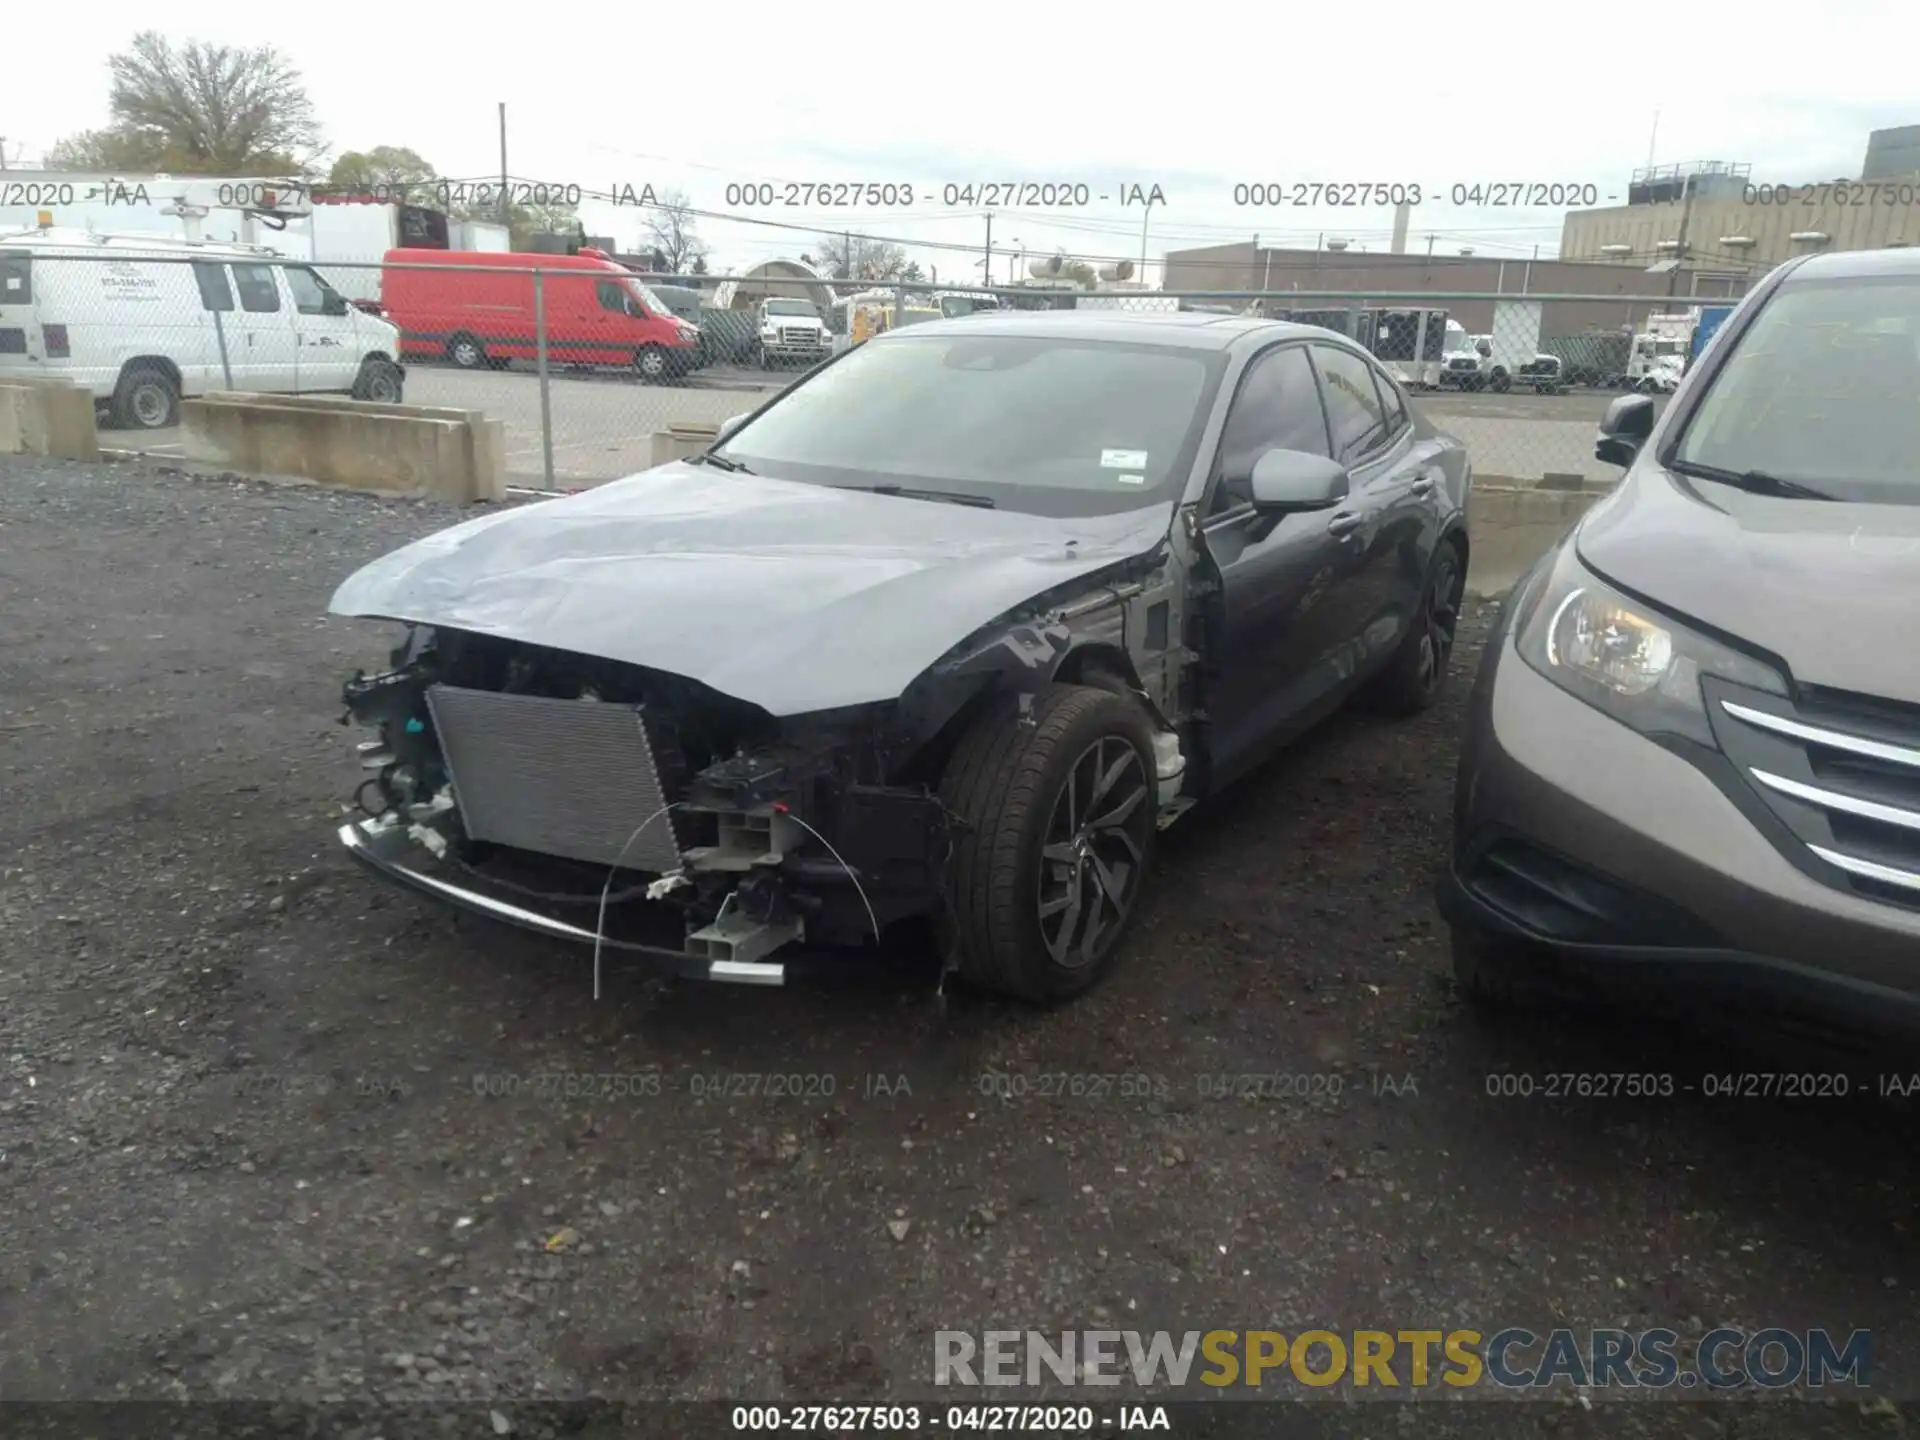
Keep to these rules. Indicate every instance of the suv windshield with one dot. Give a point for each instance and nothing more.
(798, 308)
(1052, 427)
(1823, 389)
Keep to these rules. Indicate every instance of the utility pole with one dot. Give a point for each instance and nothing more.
(3, 152)
(506, 210)
(1680, 240)
(1143, 241)
(986, 268)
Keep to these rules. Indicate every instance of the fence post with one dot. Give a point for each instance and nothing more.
(899, 303)
(220, 333)
(540, 362)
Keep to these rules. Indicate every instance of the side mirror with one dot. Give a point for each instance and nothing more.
(1486, 350)
(1624, 429)
(333, 305)
(728, 426)
(1286, 481)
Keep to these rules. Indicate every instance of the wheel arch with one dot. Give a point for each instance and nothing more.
(161, 363)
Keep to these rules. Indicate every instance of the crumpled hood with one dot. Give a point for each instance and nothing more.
(1833, 589)
(792, 597)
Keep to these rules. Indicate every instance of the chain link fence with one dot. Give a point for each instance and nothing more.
(598, 371)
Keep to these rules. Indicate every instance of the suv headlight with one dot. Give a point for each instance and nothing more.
(1625, 658)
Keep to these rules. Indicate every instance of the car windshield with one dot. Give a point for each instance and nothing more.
(797, 308)
(1044, 425)
(1823, 389)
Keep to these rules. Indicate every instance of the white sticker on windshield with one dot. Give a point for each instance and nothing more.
(1123, 459)
(1131, 479)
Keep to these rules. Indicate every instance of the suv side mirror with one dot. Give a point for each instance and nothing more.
(333, 304)
(728, 426)
(1624, 429)
(1287, 481)
(1485, 349)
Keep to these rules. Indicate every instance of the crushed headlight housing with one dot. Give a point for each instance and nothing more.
(1625, 658)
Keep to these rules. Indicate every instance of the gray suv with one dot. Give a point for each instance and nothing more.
(1693, 749)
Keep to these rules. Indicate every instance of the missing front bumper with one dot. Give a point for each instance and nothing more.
(389, 850)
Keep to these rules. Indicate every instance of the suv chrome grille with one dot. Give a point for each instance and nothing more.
(1843, 774)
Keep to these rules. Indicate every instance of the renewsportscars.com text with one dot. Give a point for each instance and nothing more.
(1511, 1358)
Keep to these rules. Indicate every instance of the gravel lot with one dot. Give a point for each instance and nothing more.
(242, 1153)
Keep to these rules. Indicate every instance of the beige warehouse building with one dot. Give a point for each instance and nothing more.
(1726, 217)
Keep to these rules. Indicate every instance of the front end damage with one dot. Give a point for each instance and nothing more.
(549, 789)
(602, 801)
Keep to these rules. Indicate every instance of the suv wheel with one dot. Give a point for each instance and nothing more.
(1059, 808)
(467, 352)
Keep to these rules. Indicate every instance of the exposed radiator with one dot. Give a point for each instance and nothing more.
(572, 778)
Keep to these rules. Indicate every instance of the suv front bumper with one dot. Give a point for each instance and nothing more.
(1617, 857)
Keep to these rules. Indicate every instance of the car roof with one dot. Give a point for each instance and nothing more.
(1858, 264)
(1190, 330)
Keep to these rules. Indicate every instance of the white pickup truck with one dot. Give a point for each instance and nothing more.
(791, 332)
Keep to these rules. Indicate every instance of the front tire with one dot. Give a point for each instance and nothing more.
(650, 364)
(1059, 809)
(1502, 382)
(379, 381)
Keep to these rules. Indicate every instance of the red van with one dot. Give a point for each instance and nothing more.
(477, 309)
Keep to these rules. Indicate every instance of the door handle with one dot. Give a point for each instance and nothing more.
(1423, 486)
(1345, 522)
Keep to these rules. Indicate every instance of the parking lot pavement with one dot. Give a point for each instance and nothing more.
(270, 1129)
(601, 420)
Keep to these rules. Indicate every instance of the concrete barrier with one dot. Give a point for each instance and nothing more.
(1511, 526)
(45, 416)
(457, 455)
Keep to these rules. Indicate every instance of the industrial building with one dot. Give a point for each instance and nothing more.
(1718, 215)
(1251, 266)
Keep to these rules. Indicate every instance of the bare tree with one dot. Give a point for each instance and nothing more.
(859, 259)
(200, 109)
(670, 229)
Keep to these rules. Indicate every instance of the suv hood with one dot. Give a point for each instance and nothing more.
(791, 597)
(1830, 588)
(790, 322)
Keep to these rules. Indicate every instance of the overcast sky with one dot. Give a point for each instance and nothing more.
(1194, 98)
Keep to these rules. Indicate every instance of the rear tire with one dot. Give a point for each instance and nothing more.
(1417, 674)
(379, 381)
(146, 399)
(1059, 809)
(467, 352)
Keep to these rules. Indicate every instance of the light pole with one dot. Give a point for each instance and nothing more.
(1013, 265)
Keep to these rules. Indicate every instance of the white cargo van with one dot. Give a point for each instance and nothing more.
(143, 320)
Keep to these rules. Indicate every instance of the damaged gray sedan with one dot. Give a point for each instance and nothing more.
(939, 637)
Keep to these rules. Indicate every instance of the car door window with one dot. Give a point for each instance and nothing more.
(1394, 402)
(613, 298)
(1354, 411)
(215, 292)
(258, 292)
(1277, 407)
(310, 292)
